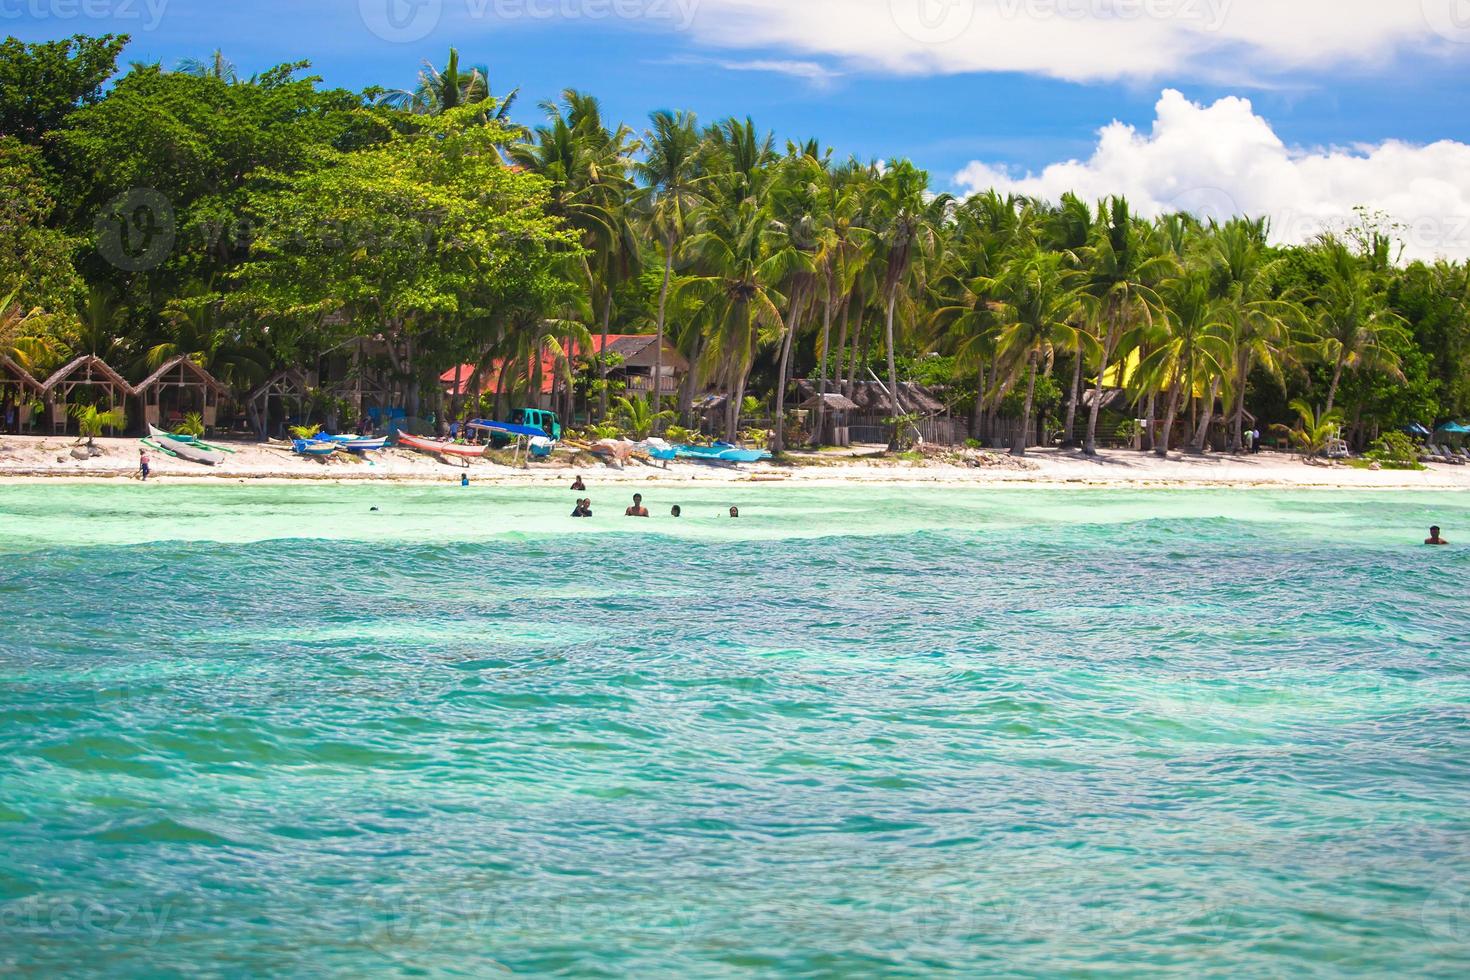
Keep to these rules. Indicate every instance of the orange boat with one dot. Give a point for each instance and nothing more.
(439, 448)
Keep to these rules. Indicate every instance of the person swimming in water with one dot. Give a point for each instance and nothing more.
(1434, 537)
(577, 484)
(584, 507)
(675, 512)
(637, 510)
(734, 511)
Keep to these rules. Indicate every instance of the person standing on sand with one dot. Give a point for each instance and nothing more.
(143, 465)
(1434, 537)
(637, 510)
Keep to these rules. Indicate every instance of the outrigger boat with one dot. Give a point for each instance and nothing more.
(185, 447)
(438, 448)
(353, 444)
(721, 452)
(314, 447)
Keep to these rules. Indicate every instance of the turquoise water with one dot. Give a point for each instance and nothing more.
(857, 732)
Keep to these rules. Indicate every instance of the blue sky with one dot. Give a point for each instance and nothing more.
(1011, 85)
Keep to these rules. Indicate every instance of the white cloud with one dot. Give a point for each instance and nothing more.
(1223, 159)
(1085, 40)
(811, 71)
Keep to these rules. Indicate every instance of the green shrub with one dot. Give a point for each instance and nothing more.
(1394, 447)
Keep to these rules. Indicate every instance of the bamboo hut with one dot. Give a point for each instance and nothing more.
(286, 390)
(18, 391)
(178, 387)
(833, 407)
(86, 372)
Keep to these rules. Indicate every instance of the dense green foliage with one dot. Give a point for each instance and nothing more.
(262, 223)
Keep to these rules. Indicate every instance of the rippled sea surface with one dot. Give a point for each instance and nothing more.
(857, 732)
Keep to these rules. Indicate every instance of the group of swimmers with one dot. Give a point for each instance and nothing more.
(636, 509)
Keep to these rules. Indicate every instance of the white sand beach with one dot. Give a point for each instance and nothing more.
(25, 458)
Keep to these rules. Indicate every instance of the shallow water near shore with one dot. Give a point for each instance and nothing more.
(867, 731)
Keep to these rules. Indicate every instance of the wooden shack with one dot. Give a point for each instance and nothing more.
(177, 388)
(86, 372)
(18, 392)
(272, 404)
(832, 408)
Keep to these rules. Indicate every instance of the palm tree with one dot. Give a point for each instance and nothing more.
(91, 421)
(671, 175)
(1191, 342)
(1259, 322)
(796, 239)
(439, 90)
(736, 287)
(639, 420)
(1313, 433)
(1068, 229)
(1354, 328)
(588, 166)
(216, 66)
(1124, 263)
(909, 230)
(966, 313)
(1037, 299)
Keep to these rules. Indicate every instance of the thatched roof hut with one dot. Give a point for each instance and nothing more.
(17, 390)
(87, 371)
(183, 386)
(872, 398)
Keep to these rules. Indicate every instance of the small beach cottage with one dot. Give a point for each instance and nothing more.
(18, 393)
(178, 388)
(89, 372)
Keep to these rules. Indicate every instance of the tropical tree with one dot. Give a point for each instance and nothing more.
(1037, 298)
(1260, 323)
(908, 231)
(671, 173)
(737, 288)
(216, 66)
(1124, 263)
(1354, 329)
(1314, 433)
(91, 421)
(637, 418)
(440, 90)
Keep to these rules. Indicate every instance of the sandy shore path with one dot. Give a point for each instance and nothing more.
(49, 458)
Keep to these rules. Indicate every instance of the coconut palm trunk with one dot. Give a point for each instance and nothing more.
(663, 302)
(1336, 380)
(1071, 424)
(892, 366)
(979, 411)
(1089, 446)
(1202, 433)
(1023, 434)
(1171, 409)
(602, 354)
(820, 427)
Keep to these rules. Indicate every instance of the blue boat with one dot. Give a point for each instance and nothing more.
(721, 452)
(353, 444)
(314, 447)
